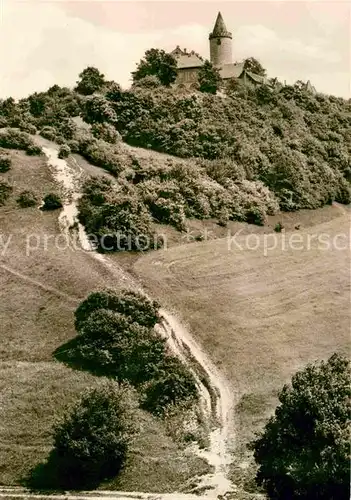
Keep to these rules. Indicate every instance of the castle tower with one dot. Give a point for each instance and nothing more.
(220, 43)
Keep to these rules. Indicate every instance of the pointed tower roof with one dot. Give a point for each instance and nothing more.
(220, 29)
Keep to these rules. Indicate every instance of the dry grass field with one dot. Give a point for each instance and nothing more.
(39, 291)
(261, 314)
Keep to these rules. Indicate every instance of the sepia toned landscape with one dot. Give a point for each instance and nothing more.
(175, 260)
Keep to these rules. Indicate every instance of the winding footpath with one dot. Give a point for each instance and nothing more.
(215, 392)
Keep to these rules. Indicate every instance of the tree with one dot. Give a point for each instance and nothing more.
(91, 442)
(148, 82)
(304, 449)
(158, 63)
(106, 132)
(209, 78)
(97, 109)
(90, 81)
(254, 66)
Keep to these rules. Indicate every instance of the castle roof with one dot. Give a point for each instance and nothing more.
(309, 87)
(187, 59)
(231, 70)
(256, 78)
(220, 28)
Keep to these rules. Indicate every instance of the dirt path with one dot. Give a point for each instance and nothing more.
(215, 392)
(93, 495)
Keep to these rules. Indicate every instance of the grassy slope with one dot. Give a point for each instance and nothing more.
(36, 317)
(261, 317)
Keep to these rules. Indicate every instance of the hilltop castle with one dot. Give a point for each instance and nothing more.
(220, 39)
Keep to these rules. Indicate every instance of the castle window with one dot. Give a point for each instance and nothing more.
(219, 41)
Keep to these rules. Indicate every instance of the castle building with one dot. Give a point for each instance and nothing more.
(189, 63)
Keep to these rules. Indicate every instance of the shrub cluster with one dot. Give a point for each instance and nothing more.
(51, 202)
(258, 149)
(14, 138)
(117, 339)
(5, 163)
(5, 191)
(165, 191)
(27, 199)
(92, 440)
(295, 142)
(116, 215)
(64, 151)
(106, 132)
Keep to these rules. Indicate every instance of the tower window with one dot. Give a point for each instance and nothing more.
(219, 41)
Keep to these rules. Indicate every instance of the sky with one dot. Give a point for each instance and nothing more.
(44, 42)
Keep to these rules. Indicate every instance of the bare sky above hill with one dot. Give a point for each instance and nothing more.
(44, 42)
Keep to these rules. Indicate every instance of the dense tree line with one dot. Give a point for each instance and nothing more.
(254, 150)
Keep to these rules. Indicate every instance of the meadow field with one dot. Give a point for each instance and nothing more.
(261, 312)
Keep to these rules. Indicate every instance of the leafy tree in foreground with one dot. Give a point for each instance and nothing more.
(90, 81)
(304, 450)
(91, 443)
(209, 78)
(158, 63)
(254, 66)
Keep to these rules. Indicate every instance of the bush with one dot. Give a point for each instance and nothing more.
(14, 138)
(28, 127)
(123, 223)
(27, 199)
(5, 163)
(117, 339)
(5, 191)
(134, 305)
(51, 202)
(173, 385)
(304, 450)
(101, 154)
(148, 82)
(98, 109)
(106, 132)
(34, 150)
(73, 146)
(92, 441)
(278, 227)
(59, 139)
(64, 151)
(48, 133)
(111, 344)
